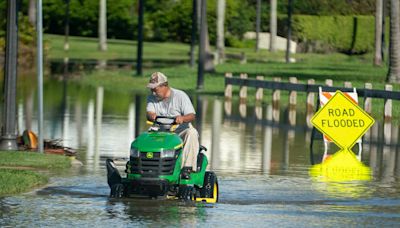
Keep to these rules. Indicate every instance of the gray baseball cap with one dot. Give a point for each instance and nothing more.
(156, 79)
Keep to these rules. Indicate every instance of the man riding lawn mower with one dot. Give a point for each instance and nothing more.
(167, 160)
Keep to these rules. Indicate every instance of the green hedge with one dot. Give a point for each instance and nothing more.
(349, 34)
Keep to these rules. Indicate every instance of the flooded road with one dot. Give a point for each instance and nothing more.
(262, 168)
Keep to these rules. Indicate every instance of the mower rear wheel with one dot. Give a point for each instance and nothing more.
(210, 190)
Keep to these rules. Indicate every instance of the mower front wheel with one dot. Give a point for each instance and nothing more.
(117, 191)
(187, 193)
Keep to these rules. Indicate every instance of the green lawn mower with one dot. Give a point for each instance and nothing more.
(154, 168)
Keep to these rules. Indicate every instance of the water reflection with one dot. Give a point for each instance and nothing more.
(216, 133)
(158, 213)
(238, 140)
(90, 131)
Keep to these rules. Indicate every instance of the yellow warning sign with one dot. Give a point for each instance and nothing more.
(342, 166)
(342, 120)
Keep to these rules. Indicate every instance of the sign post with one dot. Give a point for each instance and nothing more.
(344, 122)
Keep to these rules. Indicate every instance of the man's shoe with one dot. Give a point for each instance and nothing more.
(185, 174)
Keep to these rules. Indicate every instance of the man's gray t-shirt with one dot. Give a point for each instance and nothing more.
(178, 104)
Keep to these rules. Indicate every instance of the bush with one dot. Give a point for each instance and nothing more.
(347, 34)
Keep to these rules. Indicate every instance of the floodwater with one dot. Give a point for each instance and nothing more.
(262, 167)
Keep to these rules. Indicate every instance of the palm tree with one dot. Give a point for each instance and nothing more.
(103, 25)
(273, 26)
(378, 33)
(394, 45)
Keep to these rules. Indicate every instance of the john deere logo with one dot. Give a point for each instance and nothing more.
(149, 155)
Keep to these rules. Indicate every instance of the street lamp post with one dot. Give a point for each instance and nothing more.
(8, 133)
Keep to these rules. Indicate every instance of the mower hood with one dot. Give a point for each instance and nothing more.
(155, 141)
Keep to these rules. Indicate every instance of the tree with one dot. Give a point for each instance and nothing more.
(103, 25)
(273, 26)
(378, 33)
(220, 31)
(394, 45)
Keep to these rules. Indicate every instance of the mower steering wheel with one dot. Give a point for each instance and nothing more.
(173, 118)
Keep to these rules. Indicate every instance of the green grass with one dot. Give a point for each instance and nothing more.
(18, 170)
(87, 48)
(18, 181)
(33, 160)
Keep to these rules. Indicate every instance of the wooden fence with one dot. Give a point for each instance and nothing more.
(367, 93)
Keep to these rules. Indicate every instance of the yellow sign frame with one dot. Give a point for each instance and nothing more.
(345, 102)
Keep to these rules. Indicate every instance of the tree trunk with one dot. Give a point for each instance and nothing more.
(198, 14)
(194, 33)
(139, 57)
(209, 57)
(383, 39)
(209, 63)
(220, 31)
(378, 33)
(32, 12)
(202, 44)
(103, 25)
(289, 32)
(394, 45)
(66, 26)
(273, 26)
(258, 22)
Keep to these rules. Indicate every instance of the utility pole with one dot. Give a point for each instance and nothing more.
(140, 39)
(39, 31)
(8, 133)
(202, 46)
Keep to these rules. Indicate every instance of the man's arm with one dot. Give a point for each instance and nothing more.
(185, 118)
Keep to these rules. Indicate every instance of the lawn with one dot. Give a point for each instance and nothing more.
(22, 171)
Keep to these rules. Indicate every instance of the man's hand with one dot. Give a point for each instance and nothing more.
(151, 116)
(185, 119)
(179, 119)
